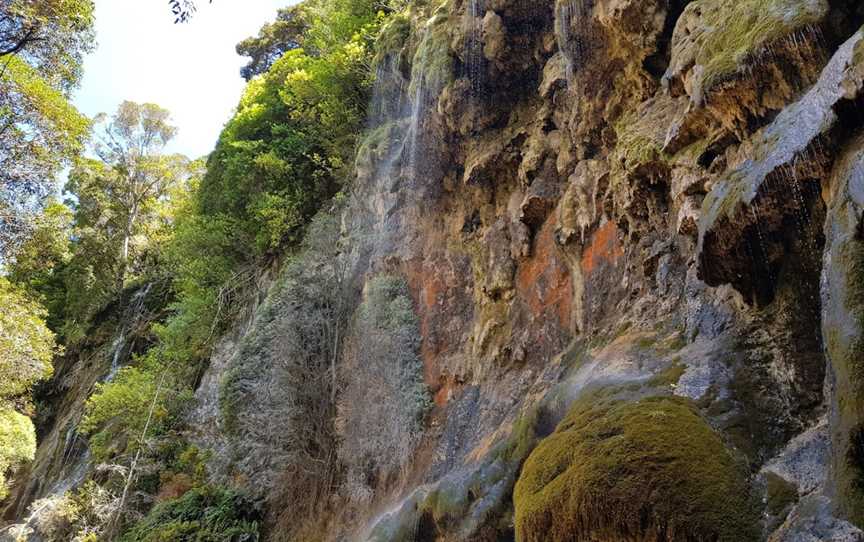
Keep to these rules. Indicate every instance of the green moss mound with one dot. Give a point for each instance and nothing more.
(206, 514)
(647, 470)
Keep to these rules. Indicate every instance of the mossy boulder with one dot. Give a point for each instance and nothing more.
(646, 470)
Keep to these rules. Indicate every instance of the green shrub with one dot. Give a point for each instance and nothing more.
(117, 412)
(26, 344)
(645, 470)
(206, 514)
(17, 443)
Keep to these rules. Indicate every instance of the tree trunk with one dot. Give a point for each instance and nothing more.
(127, 237)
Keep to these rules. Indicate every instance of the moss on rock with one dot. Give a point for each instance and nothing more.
(670, 375)
(643, 470)
(739, 31)
(780, 493)
(432, 67)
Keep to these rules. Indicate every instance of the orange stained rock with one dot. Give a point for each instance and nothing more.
(603, 247)
(543, 282)
(428, 288)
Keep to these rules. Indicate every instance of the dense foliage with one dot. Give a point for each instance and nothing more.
(17, 442)
(205, 514)
(41, 48)
(119, 411)
(120, 205)
(26, 349)
(26, 344)
(137, 216)
(273, 41)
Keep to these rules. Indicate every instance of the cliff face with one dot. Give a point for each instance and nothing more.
(645, 213)
(630, 232)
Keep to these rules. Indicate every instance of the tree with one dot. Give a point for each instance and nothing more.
(119, 206)
(51, 36)
(273, 40)
(130, 144)
(39, 263)
(41, 47)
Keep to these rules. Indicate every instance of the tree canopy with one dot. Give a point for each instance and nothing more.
(274, 40)
(42, 44)
(119, 204)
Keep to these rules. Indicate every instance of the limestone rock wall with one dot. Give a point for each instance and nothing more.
(656, 201)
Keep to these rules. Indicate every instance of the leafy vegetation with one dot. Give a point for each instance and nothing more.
(269, 197)
(41, 47)
(77, 516)
(26, 344)
(120, 207)
(17, 443)
(274, 40)
(118, 411)
(26, 350)
(205, 514)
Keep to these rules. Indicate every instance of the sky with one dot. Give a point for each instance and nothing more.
(190, 69)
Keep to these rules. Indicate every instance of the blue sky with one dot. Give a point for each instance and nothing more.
(190, 69)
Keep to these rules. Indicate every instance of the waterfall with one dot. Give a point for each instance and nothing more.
(429, 76)
(131, 318)
(388, 92)
(474, 59)
(573, 31)
(399, 113)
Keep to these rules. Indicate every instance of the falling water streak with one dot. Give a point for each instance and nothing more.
(789, 181)
(417, 110)
(562, 34)
(74, 476)
(763, 245)
(131, 318)
(69, 444)
(573, 46)
(387, 93)
(474, 61)
(806, 222)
